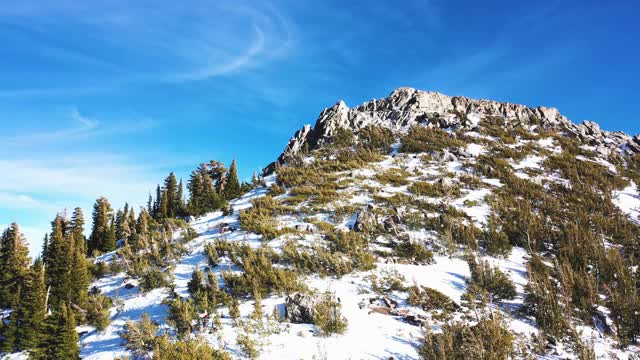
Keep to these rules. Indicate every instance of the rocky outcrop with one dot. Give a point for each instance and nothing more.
(300, 308)
(406, 107)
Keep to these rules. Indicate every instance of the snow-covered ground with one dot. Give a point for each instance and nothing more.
(370, 335)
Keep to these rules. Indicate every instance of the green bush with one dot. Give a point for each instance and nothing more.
(260, 275)
(191, 349)
(140, 337)
(388, 282)
(413, 251)
(328, 317)
(260, 218)
(376, 138)
(422, 139)
(152, 279)
(393, 176)
(489, 339)
(182, 315)
(98, 311)
(487, 278)
(430, 299)
(423, 188)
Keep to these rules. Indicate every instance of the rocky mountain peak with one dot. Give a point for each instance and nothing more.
(406, 107)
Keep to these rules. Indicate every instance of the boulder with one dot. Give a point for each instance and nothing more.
(300, 308)
(366, 219)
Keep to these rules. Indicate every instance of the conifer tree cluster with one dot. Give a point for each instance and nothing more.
(212, 185)
(44, 296)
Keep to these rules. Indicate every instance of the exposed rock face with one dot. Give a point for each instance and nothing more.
(300, 308)
(406, 107)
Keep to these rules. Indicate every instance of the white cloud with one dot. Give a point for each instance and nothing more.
(11, 200)
(82, 127)
(192, 40)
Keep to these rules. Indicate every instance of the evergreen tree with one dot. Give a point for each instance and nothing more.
(45, 244)
(172, 199)
(216, 172)
(103, 237)
(157, 203)
(12, 329)
(123, 226)
(232, 188)
(79, 274)
(195, 187)
(14, 263)
(150, 204)
(163, 209)
(58, 263)
(32, 311)
(63, 344)
(77, 228)
(180, 207)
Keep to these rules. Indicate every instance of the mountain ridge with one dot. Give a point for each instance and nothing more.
(405, 107)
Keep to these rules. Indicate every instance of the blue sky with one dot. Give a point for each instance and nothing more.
(106, 97)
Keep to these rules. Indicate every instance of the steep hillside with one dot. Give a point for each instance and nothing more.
(463, 216)
(419, 226)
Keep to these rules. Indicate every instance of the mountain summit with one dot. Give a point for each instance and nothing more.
(406, 107)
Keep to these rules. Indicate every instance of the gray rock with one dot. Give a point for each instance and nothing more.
(300, 308)
(366, 219)
(406, 107)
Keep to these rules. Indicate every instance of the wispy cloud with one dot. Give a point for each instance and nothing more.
(82, 127)
(192, 41)
(11, 200)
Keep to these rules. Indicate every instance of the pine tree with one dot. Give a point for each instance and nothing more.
(58, 263)
(157, 203)
(172, 199)
(195, 187)
(232, 188)
(180, 207)
(163, 210)
(12, 329)
(45, 244)
(77, 228)
(64, 345)
(123, 226)
(32, 311)
(216, 172)
(79, 274)
(103, 237)
(150, 204)
(14, 263)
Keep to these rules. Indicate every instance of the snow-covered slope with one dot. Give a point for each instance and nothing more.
(459, 182)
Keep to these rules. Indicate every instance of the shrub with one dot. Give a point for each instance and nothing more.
(393, 176)
(275, 190)
(192, 349)
(328, 317)
(413, 251)
(260, 275)
(182, 314)
(376, 138)
(388, 282)
(423, 188)
(139, 337)
(212, 254)
(496, 242)
(484, 277)
(422, 139)
(98, 311)
(497, 127)
(260, 218)
(488, 339)
(431, 299)
(249, 346)
(152, 279)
